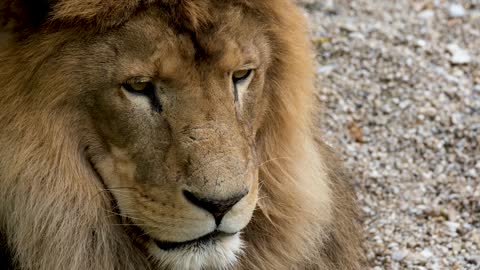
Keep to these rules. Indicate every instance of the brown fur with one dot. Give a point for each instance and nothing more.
(54, 214)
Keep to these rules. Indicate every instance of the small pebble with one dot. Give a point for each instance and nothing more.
(426, 14)
(457, 118)
(399, 255)
(458, 55)
(325, 69)
(456, 11)
(427, 253)
(452, 226)
(421, 43)
(357, 35)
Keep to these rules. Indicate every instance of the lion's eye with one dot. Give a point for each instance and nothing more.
(138, 86)
(141, 88)
(241, 75)
(241, 79)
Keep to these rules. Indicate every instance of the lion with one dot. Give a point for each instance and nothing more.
(166, 134)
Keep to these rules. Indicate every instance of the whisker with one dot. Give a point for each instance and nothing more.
(109, 190)
(126, 225)
(272, 160)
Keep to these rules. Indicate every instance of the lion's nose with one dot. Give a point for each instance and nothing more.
(217, 207)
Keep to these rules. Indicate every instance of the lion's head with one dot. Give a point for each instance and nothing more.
(173, 116)
(150, 131)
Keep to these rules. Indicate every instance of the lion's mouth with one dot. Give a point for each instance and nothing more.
(207, 239)
(204, 240)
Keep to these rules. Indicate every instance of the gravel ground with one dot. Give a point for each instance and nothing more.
(400, 84)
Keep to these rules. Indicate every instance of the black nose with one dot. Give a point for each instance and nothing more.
(218, 208)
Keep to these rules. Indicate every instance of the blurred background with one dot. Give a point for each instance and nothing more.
(399, 81)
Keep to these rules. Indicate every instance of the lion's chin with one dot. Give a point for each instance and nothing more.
(218, 253)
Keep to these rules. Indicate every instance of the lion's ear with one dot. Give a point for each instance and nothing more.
(24, 15)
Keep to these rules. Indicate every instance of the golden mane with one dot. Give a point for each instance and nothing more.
(52, 214)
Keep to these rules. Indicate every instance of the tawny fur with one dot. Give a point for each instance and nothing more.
(54, 214)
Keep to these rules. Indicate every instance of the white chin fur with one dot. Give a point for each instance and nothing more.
(220, 255)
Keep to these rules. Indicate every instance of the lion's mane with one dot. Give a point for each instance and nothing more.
(52, 215)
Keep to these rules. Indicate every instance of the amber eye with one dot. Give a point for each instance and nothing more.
(138, 86)
(143, 87)
(241, 79)
(241, 75)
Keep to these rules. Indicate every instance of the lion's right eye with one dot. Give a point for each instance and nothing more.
(142, 88)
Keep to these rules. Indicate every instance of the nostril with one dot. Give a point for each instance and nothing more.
(217, 207)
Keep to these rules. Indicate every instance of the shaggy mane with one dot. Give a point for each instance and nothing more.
(99, 14)
(305, 216)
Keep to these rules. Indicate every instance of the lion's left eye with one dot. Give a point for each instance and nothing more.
(241, 79)
(241, 75)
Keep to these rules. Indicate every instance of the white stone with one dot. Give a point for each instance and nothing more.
(456, 11)
(452, 226)
(458, 54)
(399, 255)
(327, 69)
(421, 43)
(357, 35)
(426, 14)
(427, 253)
(456, 118)
(436, 266)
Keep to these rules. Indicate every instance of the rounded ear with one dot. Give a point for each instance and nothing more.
(19, 16)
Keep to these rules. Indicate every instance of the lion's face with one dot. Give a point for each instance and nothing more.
(174, 117)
